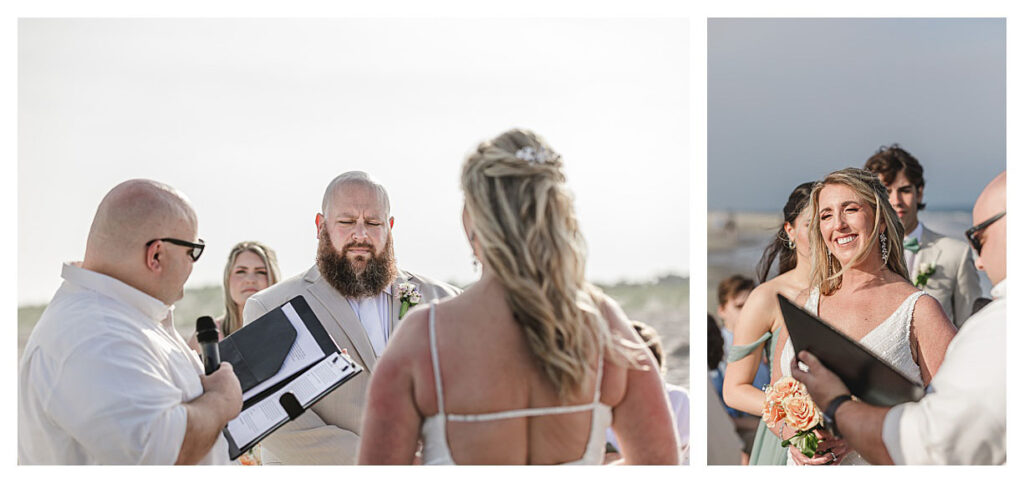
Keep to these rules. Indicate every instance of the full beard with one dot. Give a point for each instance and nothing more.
(377, 273)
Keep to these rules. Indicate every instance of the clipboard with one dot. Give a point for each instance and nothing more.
(868, 377)
(285, 362)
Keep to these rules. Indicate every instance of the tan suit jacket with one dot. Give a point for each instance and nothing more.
(955, 281)
(328, 432)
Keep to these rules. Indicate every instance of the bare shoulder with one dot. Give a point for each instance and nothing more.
(617, 319)
(413, 331)
(407, 354)
(928, 310)
(900, 287)
(412, 337)
(762, 298)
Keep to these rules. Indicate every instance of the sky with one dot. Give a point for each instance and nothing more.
(252, 118)
(790, 100)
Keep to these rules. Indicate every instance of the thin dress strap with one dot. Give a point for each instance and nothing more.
(600, 374)
(519, 413)
(433, 359)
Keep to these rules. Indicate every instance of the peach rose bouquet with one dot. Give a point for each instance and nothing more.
(787, 401)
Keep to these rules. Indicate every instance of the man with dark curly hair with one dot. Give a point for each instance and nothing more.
(939, 265)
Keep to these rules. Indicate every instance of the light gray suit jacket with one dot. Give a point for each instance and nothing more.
(955, 281)
(328, 432)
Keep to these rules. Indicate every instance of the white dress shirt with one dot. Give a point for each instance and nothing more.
(910, 256)
(962, 419)
(104, 379)
(375, 315)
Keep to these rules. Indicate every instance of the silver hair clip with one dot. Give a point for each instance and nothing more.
(536, 156)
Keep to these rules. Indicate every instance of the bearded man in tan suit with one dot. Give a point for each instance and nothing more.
(354, 290)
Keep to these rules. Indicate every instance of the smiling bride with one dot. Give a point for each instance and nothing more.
(859, 285)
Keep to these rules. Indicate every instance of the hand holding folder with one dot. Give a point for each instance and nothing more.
(285, 362)
(866, 375)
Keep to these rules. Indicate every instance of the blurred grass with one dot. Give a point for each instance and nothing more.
(666, 298)
(663, 304)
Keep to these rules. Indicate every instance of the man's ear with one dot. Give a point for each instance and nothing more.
(319, 220)
(920, 194)
(153, 252)
(391, 222)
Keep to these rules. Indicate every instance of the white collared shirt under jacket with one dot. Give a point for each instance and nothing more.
(962, 419)
(375, 314)
(104, 379)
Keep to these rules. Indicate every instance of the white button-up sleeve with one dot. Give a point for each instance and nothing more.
(963, 419)
(119, 403)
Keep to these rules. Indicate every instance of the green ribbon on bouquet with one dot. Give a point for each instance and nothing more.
(806, 442)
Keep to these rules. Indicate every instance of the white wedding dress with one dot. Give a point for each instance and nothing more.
(890, 341)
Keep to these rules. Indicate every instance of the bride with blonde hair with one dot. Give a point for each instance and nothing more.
(531, 363)
(859, 285)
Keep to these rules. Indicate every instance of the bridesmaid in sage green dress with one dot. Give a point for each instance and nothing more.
(760, 322)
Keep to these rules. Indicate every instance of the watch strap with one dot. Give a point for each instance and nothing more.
(830, 412)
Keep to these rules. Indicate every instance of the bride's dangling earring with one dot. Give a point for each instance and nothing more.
(885, 247)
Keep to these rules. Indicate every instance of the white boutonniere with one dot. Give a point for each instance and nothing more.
(923, 274)
(409, 296)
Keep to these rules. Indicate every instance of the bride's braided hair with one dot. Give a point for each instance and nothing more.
(523, 218)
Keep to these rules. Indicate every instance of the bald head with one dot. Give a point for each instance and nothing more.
(135, 212)
(992, 199)
(991, 202)
(358, 179)
(130, 215)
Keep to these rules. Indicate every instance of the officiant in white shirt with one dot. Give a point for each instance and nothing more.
(939, 265)
(962, 418)
(105, 377)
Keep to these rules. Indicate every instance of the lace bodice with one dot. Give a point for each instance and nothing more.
(889, 340)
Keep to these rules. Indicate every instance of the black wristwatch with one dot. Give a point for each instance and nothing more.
(830, 413)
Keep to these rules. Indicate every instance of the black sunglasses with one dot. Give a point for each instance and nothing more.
(974, 233)
(196, 248)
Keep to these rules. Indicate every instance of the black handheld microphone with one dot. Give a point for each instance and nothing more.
(208, 336)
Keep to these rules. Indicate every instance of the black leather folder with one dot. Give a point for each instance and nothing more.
(258, 350)
(869, 378)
